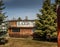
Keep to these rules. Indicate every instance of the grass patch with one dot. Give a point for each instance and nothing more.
(26, 42)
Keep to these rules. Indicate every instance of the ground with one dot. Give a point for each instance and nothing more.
(27, 42)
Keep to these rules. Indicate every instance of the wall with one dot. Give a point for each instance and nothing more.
(25, 24)
(24, 32)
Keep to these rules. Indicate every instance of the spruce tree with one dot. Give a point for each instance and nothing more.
(54, 5)
(57, 1)
(46, 23)
(19, 18)
(2, 18)
(2, 15)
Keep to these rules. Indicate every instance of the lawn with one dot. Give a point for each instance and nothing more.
(27, 42)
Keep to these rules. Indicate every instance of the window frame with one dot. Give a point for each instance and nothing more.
(15, 29)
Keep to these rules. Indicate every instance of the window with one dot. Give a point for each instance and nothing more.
(22, 23)
(15, 29)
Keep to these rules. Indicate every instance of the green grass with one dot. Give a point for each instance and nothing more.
(27, 42)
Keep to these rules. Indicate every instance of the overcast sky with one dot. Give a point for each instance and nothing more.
(22, 8)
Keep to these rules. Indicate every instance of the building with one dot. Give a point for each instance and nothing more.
(21, 28)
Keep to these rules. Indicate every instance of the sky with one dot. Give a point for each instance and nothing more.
(22, 8)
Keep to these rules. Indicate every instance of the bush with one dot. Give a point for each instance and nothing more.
(39, 35)
(3, 40)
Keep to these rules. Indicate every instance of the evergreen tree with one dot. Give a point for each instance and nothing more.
(54, 5)
(2, 18)
(57, 1)
(46, 23)
(19, 18)
(2, 15)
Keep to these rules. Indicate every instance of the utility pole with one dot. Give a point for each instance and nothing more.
(58, 24)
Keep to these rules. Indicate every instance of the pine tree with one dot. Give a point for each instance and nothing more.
(57, 1)
(2, 18)
(46, 20)
(2, 15)
(19, 18)
(54, 5)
